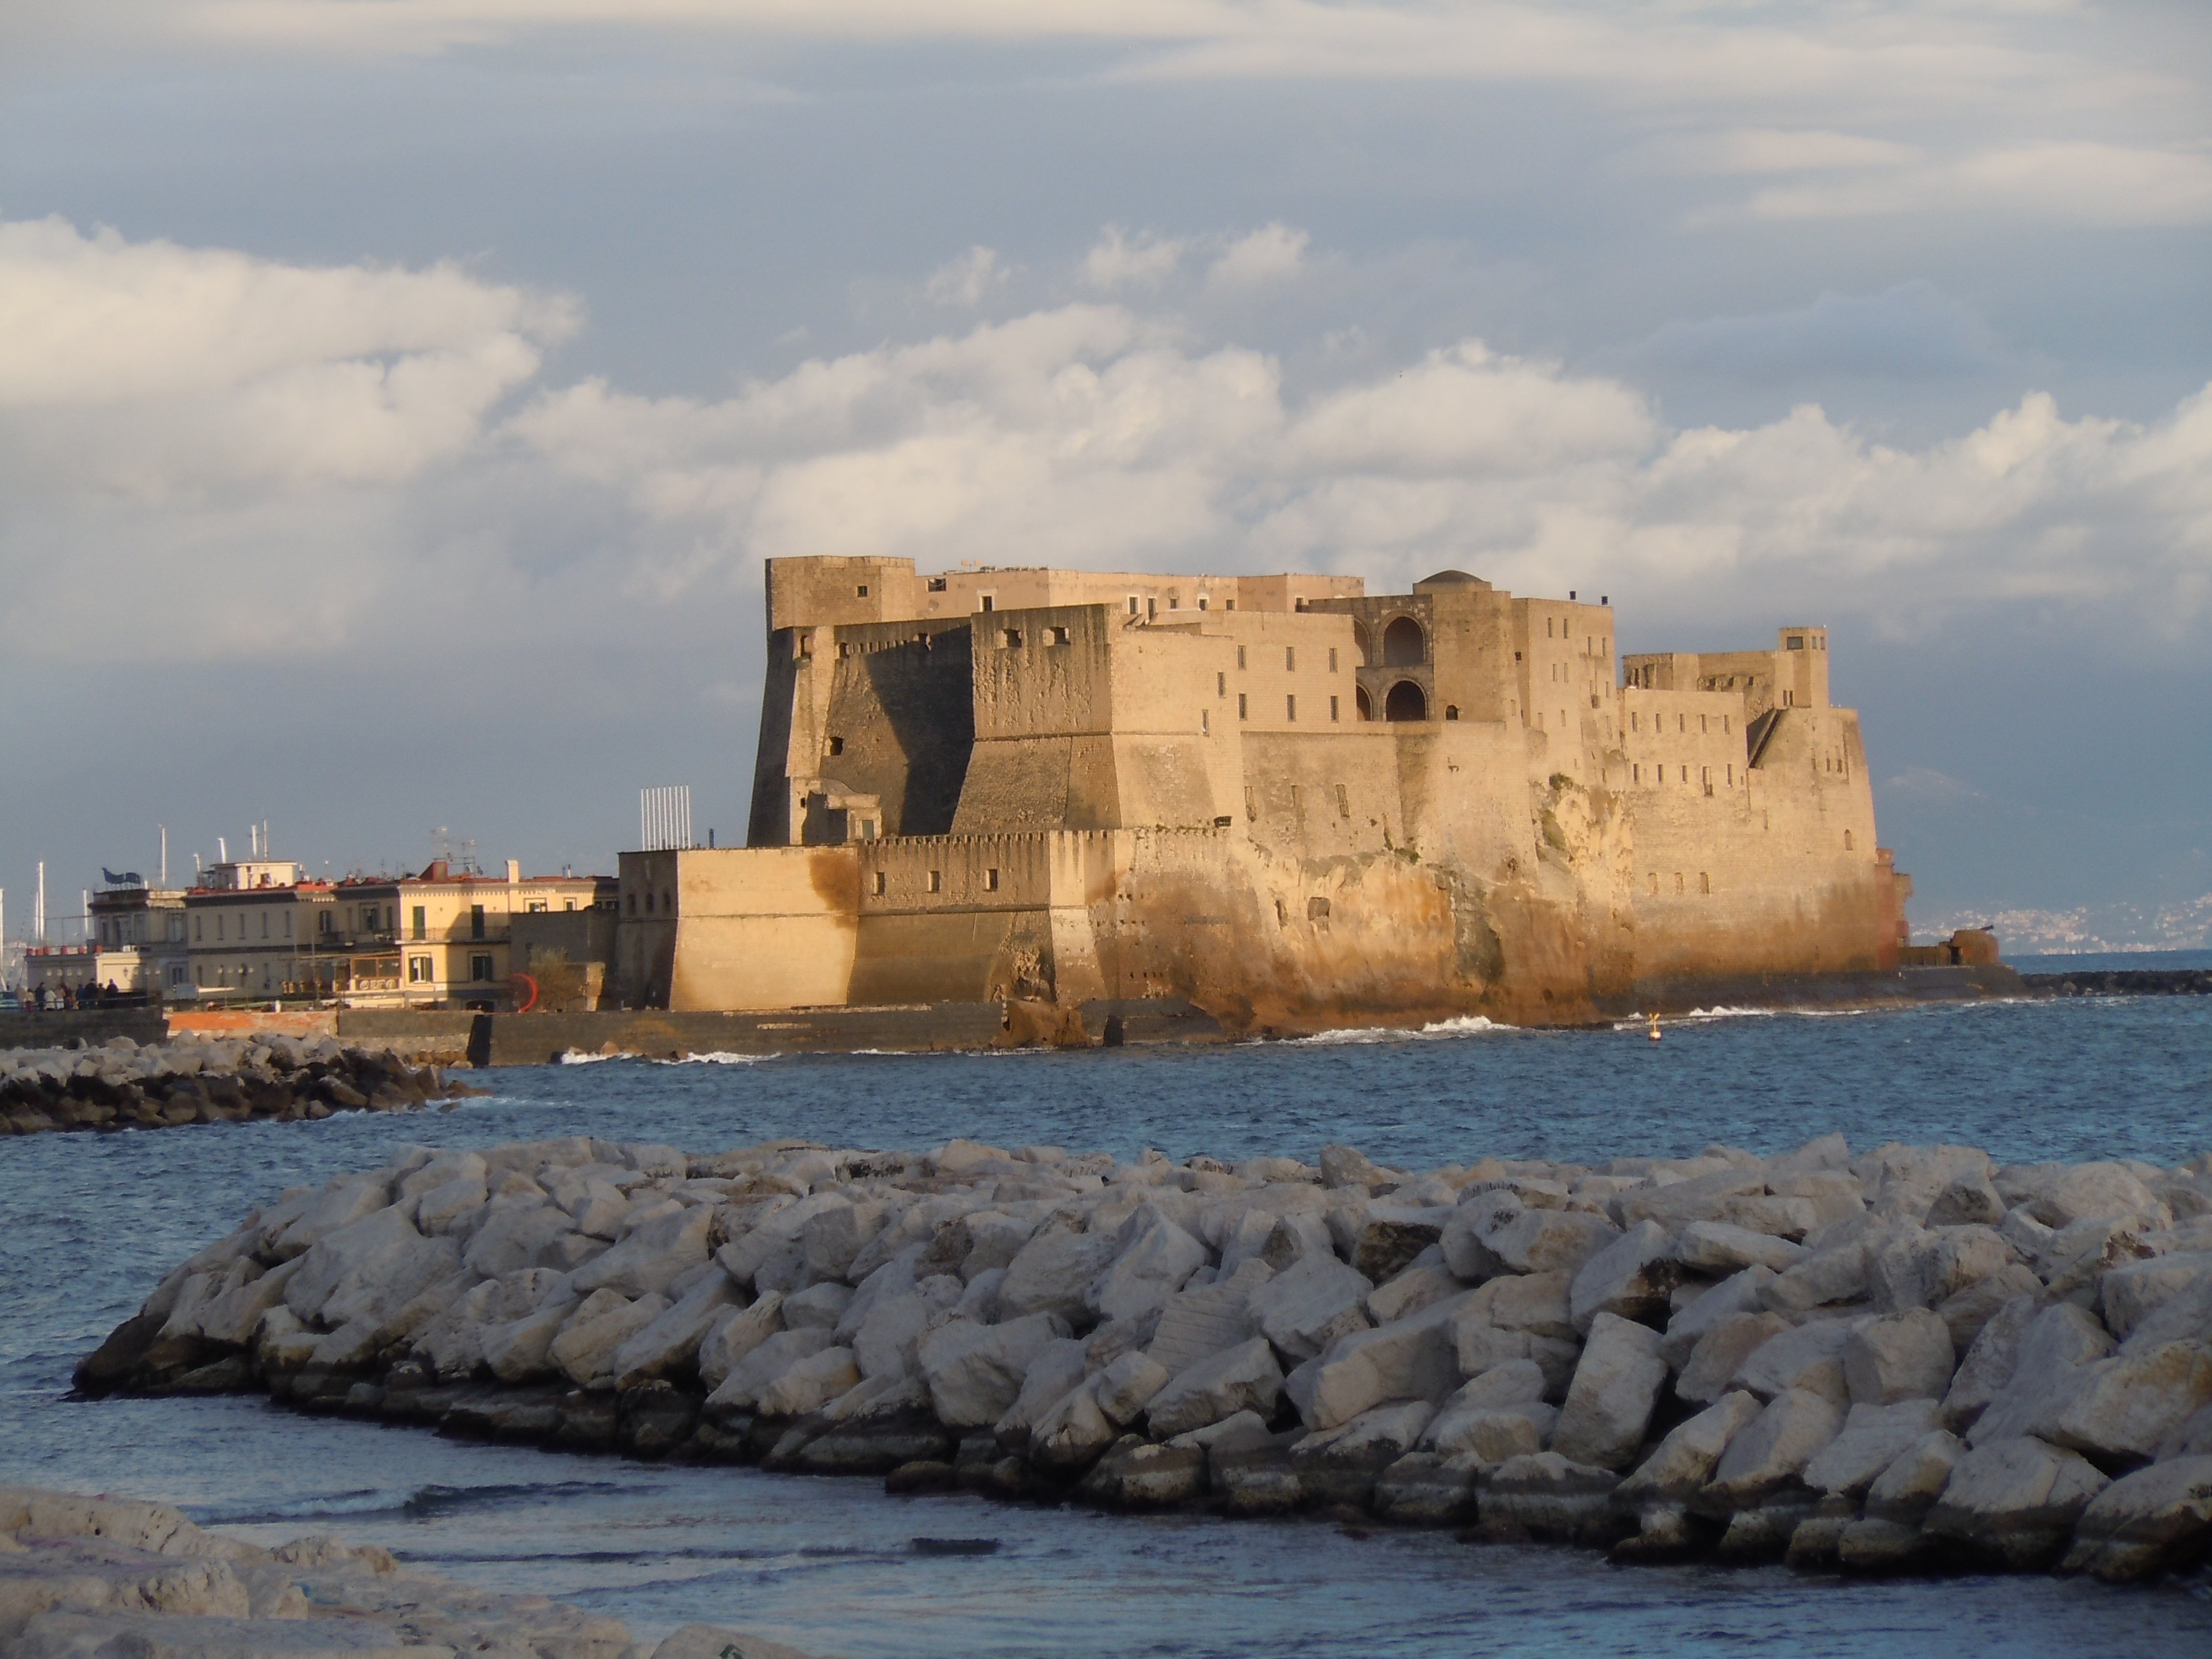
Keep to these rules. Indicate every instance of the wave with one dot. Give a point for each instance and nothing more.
(713, 1057)
(1458, 1026)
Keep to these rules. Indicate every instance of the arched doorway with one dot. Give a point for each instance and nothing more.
(1403, 645)
(1405, 702)
(1359, 701)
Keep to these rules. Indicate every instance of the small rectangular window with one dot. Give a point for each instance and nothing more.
(937, 584)
(990, 881)
(1636, 775)
(836, 745)
(1332, 708)
(1251, 809)
(1289, 659)
(1677, 881)
(937, 881)
(1206, 722)
(1290, 708)
(1332, 659)
(1133, 604)
(1241, 711)
(480, 968)
(418, 970)
(880, 883)
(1055, 636)
(1704, 881)
(475, 922)
(1797, 641)
(863, 591)
(1221, 684)
(1240, 657)
(1011, 637)
(990, 602)
(1343, 802)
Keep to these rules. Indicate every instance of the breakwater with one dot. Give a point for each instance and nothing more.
(1912, 1358)
(123, 1085)
(98, 1574)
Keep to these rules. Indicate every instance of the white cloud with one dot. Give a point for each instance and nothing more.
(1273, 253)
(2090, 183)
(147, 367)
(1779, 149)
(968, 280)
(1117, 261)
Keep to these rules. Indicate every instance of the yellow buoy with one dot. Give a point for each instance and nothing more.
(1654, 1032)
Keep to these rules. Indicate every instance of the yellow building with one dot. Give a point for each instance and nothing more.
(453, 928)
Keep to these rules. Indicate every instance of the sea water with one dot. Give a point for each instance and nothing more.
(92, 1223)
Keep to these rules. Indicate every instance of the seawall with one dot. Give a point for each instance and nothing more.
(1908, 1359)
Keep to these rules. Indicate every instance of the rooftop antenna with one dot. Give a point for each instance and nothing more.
(165, 854)
(39, 907)
(222, 850)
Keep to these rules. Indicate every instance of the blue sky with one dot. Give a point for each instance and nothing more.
(398, 397)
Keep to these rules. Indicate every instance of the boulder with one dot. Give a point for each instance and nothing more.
(768, 1359)
(1683, 1463)
(1988, 1363)
(1340, 1465)
(822, 1303)
(1219, 1386)
(1873, 1437)
(671, 1341)
(1425, 1281)
(1308, 1305)
(1128, 1385)
(1551, 1241)
(518, 1349)
(1630, 1278)
(1464, 1239)
(1392, 1235)
(1487, 1435)
(1412, 1359)
(1153, 1259)
(1923, 1269)
(1806, 1358)
(809, 1383)
(2057, 1342)
(1831, 1273)
(2089, 1192)
(1738, 1293)
(1053, 1372)
(1136, 1474)
(2120, 1411)
(1770, 1452)
(1967, 1199)
(1536, 1303)
(731, 1338)
(1072, 1432)
(1908, 1487)
(1051, 1273)
(1699, 1198)
(1427, 1489)
(2155, 1520)
(584, 1350)
(974, 1372)
(1544, 1496)
(1907, 1356)
(1966, 1313)
(1774, 1214)
(2012, 1503)
(1610, 1401)
(2131, 1293)
(515, 1235)
(1719, 1246)
(652, 1256)
(1709, 1369)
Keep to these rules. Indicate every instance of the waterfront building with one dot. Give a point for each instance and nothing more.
(1280, 797)
(138, 933)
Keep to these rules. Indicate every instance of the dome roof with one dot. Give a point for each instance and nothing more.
(1450, 578)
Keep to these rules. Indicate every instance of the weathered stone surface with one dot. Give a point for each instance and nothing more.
(1770, 1452)
(1053, 1374)
(1717, 1247)
(732, 1336)
(1610, 1401)
(1538, 1303)
(518, 1351)
(1874, 1437)
(767, 1360)
(1411, 1358)
(2152, 1520)
(1710, 1367)
(2088, 1192)
(1308, 1305)
(1244, 1378)
(2014, 1502)
(2057, 1342)
(1966, 1313)
(671, 1341)
(584, 1350)
(809, 1384)
(1128, 1385)
(1464, 1238)
(1683, 1463)
(1341, 1464)
(1551, 1241)
(1154, 1258)
(1923, 1269)
(1630, 1278)
(822, 1303)
(1907, 1489)
(1808, 1358)
(1544, 1496)
(974, 1372)
(1392, 1235)
(1967, 1199)
(2121, 1410)
(1907, 1356)
(648, 1261)
(1826, 1274)
(1424, 1280)
(1685, 1201)
(1426, 1489)
(1738, 1293)
(1052, 1274)
(1136, 1474)
(2131, 1293)
(1071, 1433)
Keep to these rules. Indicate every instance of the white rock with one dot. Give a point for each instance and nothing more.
(2125, 1408)
(603, 1321)
(1716, 1247)
(1154, 1257)
(1551, 1241)
(734, 1335)
(2130, 1294)
(1630, 1278)
(1245, 1378)
(1053, 1374)
(822, 1304)
(2016, 1500)
(1808, 1358)
(1610, 1401)
(1308, 1305)
(810, 1383)
(1772, 1450)
(1738, 1293)
(1709, 1369)
(2152, 1520)
(1905, 1357)
(652, 1256)
(672, 1340)
(974, 1371)
(1904, 1491)
(1051, 1273)
(1073, 1431)
(767, 1360)
(2057, 1342)
(1683, 1462)
(1873, 1437)
(1128, 1385)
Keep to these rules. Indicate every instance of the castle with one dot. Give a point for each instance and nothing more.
(1278, 798)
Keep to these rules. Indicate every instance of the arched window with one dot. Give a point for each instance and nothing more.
(1451, 711)
(1359, 643)
(1403, 645)
(1359, 701)
(1405, 702)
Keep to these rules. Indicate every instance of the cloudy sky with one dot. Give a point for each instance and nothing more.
(398, 397)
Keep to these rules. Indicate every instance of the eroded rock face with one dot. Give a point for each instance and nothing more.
(1726, 1355)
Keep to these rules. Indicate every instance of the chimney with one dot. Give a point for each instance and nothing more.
(514, 869)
